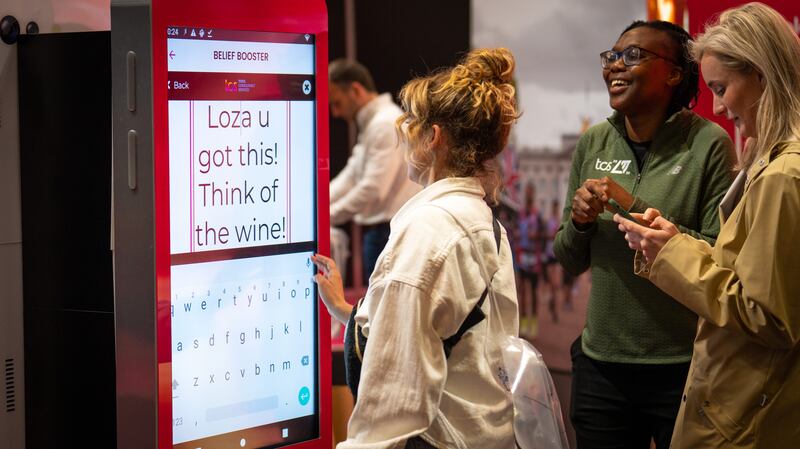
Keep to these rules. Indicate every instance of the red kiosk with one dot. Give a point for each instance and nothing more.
(220, 196)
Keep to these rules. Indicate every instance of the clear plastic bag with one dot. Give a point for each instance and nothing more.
(538, 422)
(520, 368)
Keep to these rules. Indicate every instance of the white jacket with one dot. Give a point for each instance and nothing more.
(426, 281)
(374, 184)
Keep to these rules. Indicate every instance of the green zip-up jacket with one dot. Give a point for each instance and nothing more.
(685, 173)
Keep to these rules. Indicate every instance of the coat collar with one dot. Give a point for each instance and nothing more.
(442, 187)
(678, 122)
(368, 111)
(745, 177)
(760, 164)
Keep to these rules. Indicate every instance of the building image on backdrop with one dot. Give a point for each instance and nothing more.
(561, 93)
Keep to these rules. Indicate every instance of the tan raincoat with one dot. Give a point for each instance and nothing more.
(743, 389)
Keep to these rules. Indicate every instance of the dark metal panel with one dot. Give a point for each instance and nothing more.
(65, 154)
(133, 226)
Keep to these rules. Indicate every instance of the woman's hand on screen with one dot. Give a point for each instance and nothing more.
(331, 288)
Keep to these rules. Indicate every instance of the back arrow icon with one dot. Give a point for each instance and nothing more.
(171, 54)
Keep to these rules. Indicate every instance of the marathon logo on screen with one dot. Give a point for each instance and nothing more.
(238, 85)
(231, 55)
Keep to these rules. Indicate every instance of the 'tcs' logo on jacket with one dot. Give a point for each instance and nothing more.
(615, 166)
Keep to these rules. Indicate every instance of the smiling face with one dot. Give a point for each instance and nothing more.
(647, 86)
(736, 94)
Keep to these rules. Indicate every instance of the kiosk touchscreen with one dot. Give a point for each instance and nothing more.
(220, 190)
(242, 183)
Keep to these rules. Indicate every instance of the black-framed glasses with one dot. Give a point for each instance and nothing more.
(630, 56)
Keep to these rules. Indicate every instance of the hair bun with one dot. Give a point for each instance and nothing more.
(474, 104)
(490, 64)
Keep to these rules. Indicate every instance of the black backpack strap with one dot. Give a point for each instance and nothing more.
(496, 229)
(354, 345)
(476, 315)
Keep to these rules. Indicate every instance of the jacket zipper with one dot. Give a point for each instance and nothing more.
(640, 172)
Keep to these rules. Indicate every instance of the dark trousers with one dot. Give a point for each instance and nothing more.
(375, 238)
(621, 405)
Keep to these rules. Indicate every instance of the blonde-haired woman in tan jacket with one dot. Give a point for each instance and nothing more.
(743, 389)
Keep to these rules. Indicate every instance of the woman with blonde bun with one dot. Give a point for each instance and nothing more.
(743, 389)
(420, 387)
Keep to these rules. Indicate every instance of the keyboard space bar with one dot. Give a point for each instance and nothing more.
(241, 408)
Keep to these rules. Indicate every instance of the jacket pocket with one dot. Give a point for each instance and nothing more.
(729, 428)
(730, 398)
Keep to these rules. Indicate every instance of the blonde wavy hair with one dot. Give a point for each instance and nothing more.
(756, 37)
(474, 104)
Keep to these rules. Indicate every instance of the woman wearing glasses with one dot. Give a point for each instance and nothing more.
(630, 363)
(744, 385)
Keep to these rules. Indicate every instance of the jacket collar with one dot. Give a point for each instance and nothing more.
(778, 150)
(675, 123)
(368, 111)
(442, 187)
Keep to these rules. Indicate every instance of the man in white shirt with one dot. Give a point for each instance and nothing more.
(374, 184)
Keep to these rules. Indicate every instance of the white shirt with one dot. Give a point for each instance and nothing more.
(374, 184)
(425, 283)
